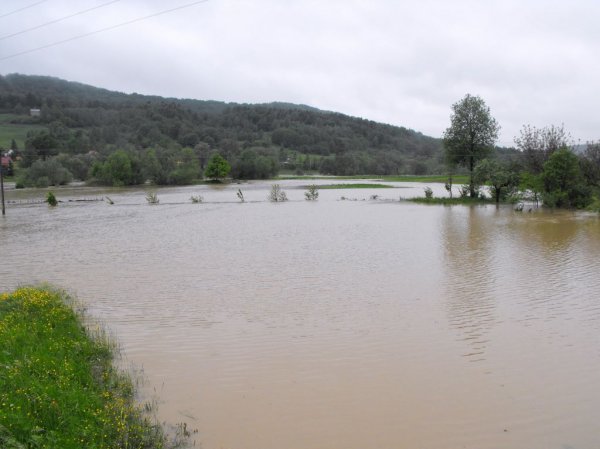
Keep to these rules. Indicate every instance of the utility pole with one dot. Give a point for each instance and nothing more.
(2, 182)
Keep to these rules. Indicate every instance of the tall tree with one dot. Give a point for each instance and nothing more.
(590, 163)
(217, 167)
(538, 144)
(471, 134)
(564, 184)
(500, 177)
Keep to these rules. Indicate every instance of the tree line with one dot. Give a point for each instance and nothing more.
(85, 125)
(112, 138)
(545, 166)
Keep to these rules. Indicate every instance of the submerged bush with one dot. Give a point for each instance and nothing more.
(277, 194)
(152, 198)
(51, 199)
(563, 181)
(240, 196)
(312, 193)
(428, 192)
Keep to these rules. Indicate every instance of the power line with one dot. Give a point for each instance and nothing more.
(112, 27)
(22, 9)
(58, 20)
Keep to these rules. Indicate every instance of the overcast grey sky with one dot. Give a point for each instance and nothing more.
(400, 62)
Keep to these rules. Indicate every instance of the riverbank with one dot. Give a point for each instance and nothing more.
(58, 384)
(457, 179)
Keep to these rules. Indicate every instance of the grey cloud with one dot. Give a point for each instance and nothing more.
(403, 63)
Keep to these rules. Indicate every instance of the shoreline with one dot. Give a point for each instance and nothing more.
(61, 386)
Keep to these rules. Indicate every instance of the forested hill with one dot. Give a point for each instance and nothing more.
(80, 119)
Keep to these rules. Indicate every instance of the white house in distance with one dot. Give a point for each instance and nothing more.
(34, 112)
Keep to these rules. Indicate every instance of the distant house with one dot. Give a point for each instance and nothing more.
(35, 112)
(6, 164)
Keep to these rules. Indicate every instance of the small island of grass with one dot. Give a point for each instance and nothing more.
(447, 201)
(354, 186)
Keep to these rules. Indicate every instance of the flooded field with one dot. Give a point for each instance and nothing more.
(335, 324)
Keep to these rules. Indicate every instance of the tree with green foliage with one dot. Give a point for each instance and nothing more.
(531, 186)
(564, 184)
(119, 169)
(79, 164)
(500, 178)
(590, 163)
(471, 135)
(43, 143)
(51, 199)
(155, 166)
(217, 167)
(537, 145)
(45, 173)
(187, 167)
(251, 164)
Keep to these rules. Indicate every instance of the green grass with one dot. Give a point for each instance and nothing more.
(58, 386)
(7, 118)
(353, 186)
(17, 132)
(9, 131)
(461, 179)
(457, 179)
(446, 201)
(595, 204)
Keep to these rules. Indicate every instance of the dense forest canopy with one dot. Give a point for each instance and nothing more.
(78, 119)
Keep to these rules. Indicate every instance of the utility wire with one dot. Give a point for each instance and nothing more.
(37, 27)
(22, 9)
(112, 27)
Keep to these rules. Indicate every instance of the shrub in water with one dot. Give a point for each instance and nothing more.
(152, 198)
(240, 196)
(312, 194)
(276, 194)
(51, 199)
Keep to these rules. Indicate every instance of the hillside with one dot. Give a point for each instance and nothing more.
(78, 119)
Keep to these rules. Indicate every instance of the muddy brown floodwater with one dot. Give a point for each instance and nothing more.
(335, 324)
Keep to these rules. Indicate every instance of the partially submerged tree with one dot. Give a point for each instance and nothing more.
(448, 185)
(531, 187)
(590, 163)
(564, 184)
(500, 178)
(240, 196)
(471, 135)
(312, 193)
(51, 199)
(277, 194)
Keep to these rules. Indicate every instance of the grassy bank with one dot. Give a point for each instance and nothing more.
(58, 386)
(354, 186)
(457, 179)
(451, 201)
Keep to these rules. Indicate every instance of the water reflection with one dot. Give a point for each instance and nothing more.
(469, 276)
